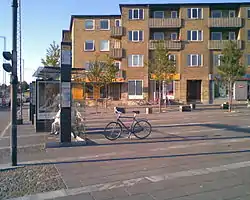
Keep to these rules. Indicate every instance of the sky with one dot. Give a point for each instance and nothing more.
(44, 20)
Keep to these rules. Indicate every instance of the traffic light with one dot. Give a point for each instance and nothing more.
(7, 56)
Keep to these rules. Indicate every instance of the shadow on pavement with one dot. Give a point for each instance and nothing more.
(139, 157)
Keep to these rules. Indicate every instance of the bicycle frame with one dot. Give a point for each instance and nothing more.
(129, 129)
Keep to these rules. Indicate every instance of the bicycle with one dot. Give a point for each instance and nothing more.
(135, 127)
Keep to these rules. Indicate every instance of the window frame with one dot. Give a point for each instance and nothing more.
(120, 22)
(138, 9)
(162, 33)
(115, 62)
(248, 60)
(230, 11)
(219, 59)
(216, 33)
(220, 11)
(171, 14)
(135, 96)
(197, 59)
(132, 60)
(191, 39)
(89, 49)
(133, 40)
(174, 33)
(230, 32)
(93, 21)
(191, 17)
(248, 35)
(248, 13)
(108, 45)
(158, 11)
(101, 20)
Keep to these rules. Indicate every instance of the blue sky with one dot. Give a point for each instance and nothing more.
(43, 21)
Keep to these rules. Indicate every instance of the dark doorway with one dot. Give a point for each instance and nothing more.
(193, 90)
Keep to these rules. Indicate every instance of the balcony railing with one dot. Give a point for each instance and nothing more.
(165, 23)
(116, 53)
(117, 31)
(220, 44)
(225, 22)
(169, 44)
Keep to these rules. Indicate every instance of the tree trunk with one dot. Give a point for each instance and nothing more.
(96, 105)
(159, 98)
(230, 96)
(106, 99)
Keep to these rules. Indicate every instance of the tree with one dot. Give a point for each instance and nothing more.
(161, 67)
(231, 68)
(95, 76)
(52, 56)
(109, 74)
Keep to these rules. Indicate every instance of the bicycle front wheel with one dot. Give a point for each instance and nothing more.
(112, 131)
(142, 129)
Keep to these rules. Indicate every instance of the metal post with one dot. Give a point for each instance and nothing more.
(4, 47)
(14, 81)
(20, 63)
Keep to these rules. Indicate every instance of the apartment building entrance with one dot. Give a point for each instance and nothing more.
(115, 91)
(193, 90)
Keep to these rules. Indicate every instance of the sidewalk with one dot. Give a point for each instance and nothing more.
(195, 158)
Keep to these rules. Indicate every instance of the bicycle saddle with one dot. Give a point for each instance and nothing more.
(136, 111)
(119, 110)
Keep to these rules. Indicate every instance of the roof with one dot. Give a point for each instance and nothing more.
(179, 4)
(49, 72)
(91, 17)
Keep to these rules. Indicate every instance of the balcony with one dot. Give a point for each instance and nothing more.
(117, 31)
(169, 44)
(220, 44)
(116, 53)
(232, 22)
(165, 23)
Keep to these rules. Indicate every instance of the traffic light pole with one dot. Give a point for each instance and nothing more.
(14, 81)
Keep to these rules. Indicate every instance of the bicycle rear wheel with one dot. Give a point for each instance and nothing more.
(112, 131)
(142, 129)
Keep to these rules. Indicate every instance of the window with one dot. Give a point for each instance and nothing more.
(135, 36)
(248, 60)
(118, 22)
(174, 14)
(174, 36)
(231, 36)
(194, 13)
(232, 13)
(87, 65)
(172, 57)
(216, 14)
(135, 60)
(134, 88)
(89, 45)
(248, 35)
(194, 35)
(158, 36)
(194, 60)
(104, 24)
(158, 14)
(248, 13)
(216, 36)
(89, 24)
(104, 45)
(136, 14)
(217, 59)
(117, 64)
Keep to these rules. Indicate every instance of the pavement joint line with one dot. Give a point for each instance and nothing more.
(4, 131)
(135, 181)
(27, 135)
(24, 146)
